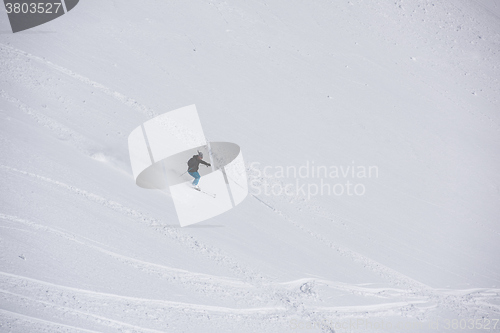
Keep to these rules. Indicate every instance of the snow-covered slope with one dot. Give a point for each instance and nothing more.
(410, 88)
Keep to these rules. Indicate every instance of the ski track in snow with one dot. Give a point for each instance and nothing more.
(80, 142)
(65, 311)
(12, 279)
(60, 302)
(59, 129)
(116, 95)
(10, 320)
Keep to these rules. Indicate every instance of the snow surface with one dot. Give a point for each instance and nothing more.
(411, 87)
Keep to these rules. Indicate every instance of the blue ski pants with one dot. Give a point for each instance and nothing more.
(196, 176)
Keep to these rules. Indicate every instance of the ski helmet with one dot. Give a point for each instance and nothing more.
(200, 154)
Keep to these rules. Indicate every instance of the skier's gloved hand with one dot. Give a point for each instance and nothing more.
(209, 165)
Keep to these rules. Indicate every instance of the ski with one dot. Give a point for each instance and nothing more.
(207, 193)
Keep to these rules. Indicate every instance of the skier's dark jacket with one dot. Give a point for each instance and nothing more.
(194, 163)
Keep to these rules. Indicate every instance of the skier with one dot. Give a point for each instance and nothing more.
(193, 165)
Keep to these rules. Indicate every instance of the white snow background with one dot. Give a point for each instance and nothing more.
(409, 86)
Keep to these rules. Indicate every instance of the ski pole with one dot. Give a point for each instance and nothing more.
(185, 173)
